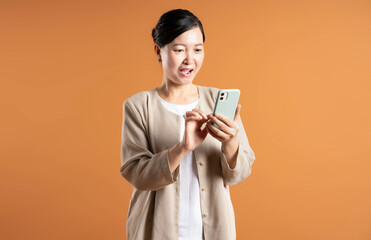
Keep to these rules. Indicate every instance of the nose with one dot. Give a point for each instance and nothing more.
(188, 58)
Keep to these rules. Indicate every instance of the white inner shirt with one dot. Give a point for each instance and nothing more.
(190, 219)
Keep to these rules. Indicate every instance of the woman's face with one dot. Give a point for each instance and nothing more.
(182, 58)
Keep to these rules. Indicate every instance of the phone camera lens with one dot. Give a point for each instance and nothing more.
(221, 98)
(222, 94)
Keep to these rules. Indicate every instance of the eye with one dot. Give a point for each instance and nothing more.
(178, 50)
(199, 50)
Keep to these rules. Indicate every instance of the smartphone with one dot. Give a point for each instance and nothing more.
(226, 103)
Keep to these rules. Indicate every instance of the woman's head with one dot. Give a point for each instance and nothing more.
(178, 38)
(173, 23)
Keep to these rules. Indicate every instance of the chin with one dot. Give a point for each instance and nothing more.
(182, 80)
(186, 81)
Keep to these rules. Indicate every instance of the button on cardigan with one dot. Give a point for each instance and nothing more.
(190, 217)
(148, 132)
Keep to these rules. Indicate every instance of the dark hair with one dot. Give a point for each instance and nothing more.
(173, 23)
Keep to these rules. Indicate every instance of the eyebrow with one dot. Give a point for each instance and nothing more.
(198, 44)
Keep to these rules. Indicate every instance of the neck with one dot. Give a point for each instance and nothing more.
(178, 93)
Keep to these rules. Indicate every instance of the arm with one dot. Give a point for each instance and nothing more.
(244, 158)
(148, 171)
(236, 153)
(139, 166)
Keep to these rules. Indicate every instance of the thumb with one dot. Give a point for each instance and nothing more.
(238, 110)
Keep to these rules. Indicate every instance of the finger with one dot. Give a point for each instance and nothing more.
(222, 126)
(230, 131)
(200, 112)
(223, 118)
(204, 132)
(192, 118)
(193, 113)
(200, 123)
(215, 135)
(207, 127)
(203, 120)
(212, 133)
(237, 114)
(214, 130)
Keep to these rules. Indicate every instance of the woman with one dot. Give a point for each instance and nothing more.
(179, 164)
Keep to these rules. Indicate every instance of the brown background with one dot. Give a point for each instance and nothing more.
(303, 68)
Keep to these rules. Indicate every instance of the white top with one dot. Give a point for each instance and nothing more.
(190, 218)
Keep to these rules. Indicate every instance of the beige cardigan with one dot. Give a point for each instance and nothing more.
(148, 132)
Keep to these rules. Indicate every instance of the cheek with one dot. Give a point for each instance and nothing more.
(174, 63)
(200, 60)
(168, 63)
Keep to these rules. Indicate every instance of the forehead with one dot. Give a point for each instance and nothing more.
(190, 37)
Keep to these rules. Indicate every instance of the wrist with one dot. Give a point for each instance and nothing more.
(230, 146)
(182, 149)
(176, 154)
(230, 150)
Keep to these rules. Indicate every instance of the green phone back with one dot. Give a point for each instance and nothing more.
(226, 102)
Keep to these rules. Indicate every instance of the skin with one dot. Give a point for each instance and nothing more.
(187, 51)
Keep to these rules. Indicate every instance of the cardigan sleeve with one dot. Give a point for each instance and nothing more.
(245, 159)
(139, 166)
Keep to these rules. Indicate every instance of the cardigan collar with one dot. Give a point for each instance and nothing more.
(201, 103)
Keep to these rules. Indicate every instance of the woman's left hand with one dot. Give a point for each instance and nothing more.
(226, 134)
(228, 129)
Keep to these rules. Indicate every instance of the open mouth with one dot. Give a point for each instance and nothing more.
(186, 72)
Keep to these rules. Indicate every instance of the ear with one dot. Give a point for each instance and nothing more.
(157, 50)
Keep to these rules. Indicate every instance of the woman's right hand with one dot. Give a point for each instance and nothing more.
(193, 135)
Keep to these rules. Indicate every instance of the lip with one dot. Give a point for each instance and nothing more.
(186, 69)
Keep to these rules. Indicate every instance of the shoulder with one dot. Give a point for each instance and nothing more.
(208, 96)
(139, 99)
(139, 102)
(210, 93)
(209, 90)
